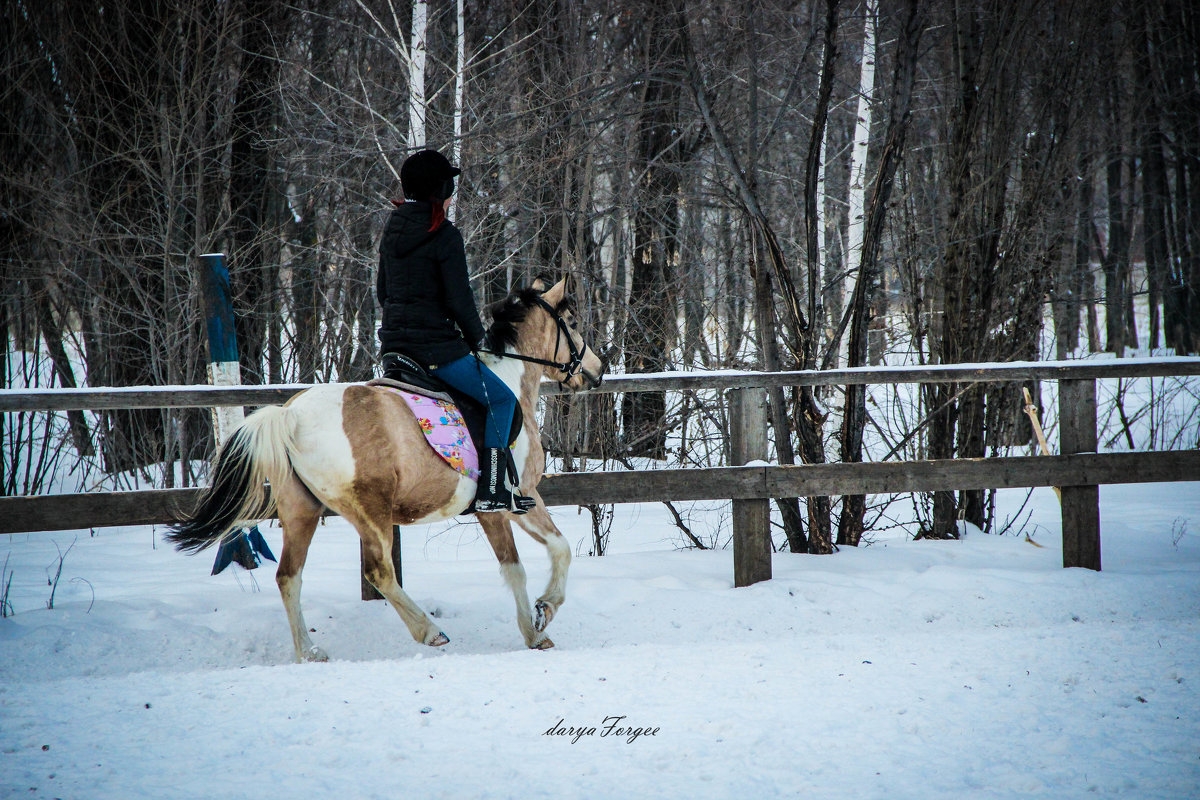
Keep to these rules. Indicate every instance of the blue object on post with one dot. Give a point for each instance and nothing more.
(244, 547)
(218, 310)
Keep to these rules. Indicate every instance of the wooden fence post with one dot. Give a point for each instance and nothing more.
(1080, 504)
(397, 558)
(366, 590)
(751, 518)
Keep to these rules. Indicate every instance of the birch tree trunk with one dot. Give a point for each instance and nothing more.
(854, 418)
(862, 138)
(460, 81)
(460, 77)
(821, 267)
(810, 425)
(416, 76)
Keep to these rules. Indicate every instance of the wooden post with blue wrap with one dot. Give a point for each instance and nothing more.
(244, 547)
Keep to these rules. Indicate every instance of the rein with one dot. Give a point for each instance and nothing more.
(569, 368)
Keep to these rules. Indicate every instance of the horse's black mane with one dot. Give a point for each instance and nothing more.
(510, 312)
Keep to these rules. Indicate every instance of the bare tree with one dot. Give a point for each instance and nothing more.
(908, 39)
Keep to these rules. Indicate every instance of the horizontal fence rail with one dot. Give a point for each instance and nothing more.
(1079, 471)
(95, 510)
(934, 373)
(57, 399)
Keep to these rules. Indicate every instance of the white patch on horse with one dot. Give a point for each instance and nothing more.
(512, 371)
(322, 459)
(514, 576)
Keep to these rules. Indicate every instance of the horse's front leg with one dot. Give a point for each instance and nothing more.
(499, 535)
(538, 524)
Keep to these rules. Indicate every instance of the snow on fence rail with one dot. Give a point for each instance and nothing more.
(1078, 471)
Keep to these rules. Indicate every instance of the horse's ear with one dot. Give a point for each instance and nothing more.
(538, 284)
(555, 294)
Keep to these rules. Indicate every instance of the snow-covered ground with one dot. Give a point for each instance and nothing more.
(977, 668)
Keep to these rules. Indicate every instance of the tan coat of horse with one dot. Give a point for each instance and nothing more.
(358, 451)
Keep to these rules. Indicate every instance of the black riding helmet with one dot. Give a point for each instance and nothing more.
(427, 176)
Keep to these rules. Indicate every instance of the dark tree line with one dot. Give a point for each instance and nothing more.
(1029, 168)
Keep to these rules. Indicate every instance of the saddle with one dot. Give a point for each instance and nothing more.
(402, 372)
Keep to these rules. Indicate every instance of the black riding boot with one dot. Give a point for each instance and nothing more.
(494, 493)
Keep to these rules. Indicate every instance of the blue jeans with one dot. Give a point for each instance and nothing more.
(472, 378)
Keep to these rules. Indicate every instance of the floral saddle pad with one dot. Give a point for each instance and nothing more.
(445, 430)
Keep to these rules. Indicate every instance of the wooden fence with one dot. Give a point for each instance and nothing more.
(1078, 471)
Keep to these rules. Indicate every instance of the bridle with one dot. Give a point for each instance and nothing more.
(569, 368)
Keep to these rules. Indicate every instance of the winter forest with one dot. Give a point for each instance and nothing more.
(762, 184)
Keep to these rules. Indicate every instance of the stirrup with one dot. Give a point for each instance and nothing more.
(481, 506)
(519, 505)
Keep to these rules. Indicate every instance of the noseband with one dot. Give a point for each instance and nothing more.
(569, 368)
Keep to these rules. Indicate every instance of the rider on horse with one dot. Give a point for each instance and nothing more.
(430, 316)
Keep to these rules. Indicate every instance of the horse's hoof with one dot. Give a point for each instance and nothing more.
(544, 644)
(543, 612)
(315, 654)
(439, 640)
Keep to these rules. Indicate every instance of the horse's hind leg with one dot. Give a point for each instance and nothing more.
(299, 513)
(499, 535)
(537, 523)
(377, 566)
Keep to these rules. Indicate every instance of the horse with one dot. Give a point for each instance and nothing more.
(358, 450)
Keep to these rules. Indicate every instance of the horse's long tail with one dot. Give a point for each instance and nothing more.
(236, 497)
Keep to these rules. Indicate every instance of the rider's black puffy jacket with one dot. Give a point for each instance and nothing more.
(429, 312)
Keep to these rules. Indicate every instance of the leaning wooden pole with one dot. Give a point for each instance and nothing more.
(1031, 410)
